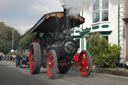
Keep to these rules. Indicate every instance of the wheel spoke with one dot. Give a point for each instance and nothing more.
(86, 69)
(81, 69)
(49, 64)
(87, 63)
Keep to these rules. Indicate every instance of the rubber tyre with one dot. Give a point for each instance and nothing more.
(52, 64)
(35, 58)
(89, 66)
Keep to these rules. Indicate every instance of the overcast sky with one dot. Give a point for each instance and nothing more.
(23, 14)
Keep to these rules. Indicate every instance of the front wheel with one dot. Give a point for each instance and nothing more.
(52, 64)
(85, 63)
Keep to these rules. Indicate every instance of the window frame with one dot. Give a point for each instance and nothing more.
(101, 10)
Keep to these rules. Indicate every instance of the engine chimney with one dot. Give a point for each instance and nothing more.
(66, 18)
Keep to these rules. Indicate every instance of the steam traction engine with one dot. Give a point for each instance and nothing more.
(53, 47)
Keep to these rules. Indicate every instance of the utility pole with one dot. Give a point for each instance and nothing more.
(12, 41)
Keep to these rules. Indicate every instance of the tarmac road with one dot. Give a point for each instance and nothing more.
(10, 75)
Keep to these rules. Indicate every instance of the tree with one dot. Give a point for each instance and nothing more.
(6, 37)
(25, 41)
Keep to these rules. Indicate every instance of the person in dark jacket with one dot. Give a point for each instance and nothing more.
(17, 60)
(0, 58)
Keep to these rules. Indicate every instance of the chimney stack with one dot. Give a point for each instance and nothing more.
(66, 18)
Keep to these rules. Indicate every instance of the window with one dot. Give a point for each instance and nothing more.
(105, 15)
(100, 11)
(96, 17)
(96, 12)
(105, 4)
(104, 10)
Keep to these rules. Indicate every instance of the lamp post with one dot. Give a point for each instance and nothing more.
(12, 50)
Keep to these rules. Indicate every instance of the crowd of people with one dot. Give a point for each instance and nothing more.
(8, 57)
(17, 57)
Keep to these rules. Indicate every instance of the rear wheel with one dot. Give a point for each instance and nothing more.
(35, 58)
(52, 64)
(85, 63)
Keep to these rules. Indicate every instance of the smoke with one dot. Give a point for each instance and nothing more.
(76, 6)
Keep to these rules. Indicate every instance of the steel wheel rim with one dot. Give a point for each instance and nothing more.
(50, 65)
(84, 63)
(31, 59)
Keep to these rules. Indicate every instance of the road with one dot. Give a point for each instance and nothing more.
(10, 75)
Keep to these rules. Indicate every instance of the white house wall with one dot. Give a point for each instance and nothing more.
(113, 23)
(116, 36)
(113, 19)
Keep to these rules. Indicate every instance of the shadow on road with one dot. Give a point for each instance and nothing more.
(73, 74)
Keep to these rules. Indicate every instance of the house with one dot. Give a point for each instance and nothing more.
(126, 26)
(104, 17)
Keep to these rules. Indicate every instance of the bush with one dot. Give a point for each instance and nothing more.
(103, 54)
(114, 54)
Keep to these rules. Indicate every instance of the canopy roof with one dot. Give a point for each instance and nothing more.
(52, 21)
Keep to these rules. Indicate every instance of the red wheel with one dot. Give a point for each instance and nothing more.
(35, 58)
(85, 63)
(31, 60)
(52, 64)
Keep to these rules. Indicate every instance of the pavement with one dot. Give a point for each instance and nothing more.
(113, 71)
(10, 75)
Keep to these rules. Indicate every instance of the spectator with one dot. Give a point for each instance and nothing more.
(10, 58)
(17, 60)
(0, 58)
(6, 56)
